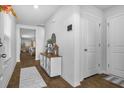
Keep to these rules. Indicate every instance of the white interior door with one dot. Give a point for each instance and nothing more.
(115, 57)
(91, 41)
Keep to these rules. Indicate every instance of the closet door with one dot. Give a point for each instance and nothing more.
(115, 46)
(91, 45)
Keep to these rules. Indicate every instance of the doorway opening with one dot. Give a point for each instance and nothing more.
(28, 43)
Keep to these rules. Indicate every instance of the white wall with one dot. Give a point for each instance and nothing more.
(40, 37)
(10, 64)
(77, 45)
(40, 33)
(66, 41)
(18, 43)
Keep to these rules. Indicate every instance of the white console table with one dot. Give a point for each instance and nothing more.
(51, 64)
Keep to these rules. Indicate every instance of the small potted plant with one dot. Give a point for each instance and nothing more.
(49, 41)
(53, 37)
(49, 46)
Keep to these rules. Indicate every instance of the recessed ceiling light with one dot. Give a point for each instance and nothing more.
(36, 6)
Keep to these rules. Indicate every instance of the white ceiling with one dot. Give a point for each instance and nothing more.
(27, 33)
(28, 15)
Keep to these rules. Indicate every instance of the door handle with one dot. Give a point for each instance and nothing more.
(3, 55)
(1, 44)
(85, 50)
(108, 45)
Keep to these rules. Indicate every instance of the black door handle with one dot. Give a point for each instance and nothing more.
(1, 44)
(3, 55)
(85, 49)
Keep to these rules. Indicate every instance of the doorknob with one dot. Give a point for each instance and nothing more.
(85, 49)
(108, 45)
(1, 44)
(3, 55)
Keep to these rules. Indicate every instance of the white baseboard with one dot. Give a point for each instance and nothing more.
(37, 59)
(72, 84)
(18, 61)
(104, 72)
(81, 79)
(76, 84)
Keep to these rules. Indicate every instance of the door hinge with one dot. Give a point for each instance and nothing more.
(108, 65)
(99, 65)
(108, 45)
(108, 24)
(85, 50)
(99, 45)
(99, 25)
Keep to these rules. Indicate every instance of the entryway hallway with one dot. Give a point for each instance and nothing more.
(95, 81)
(28, 61)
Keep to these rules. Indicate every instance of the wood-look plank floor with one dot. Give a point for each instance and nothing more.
(95, 81)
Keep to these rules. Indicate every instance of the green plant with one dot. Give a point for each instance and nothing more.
(53, 37)
(49, 41)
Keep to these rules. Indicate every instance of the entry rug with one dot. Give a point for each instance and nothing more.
(31, 78)
(115, 79)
